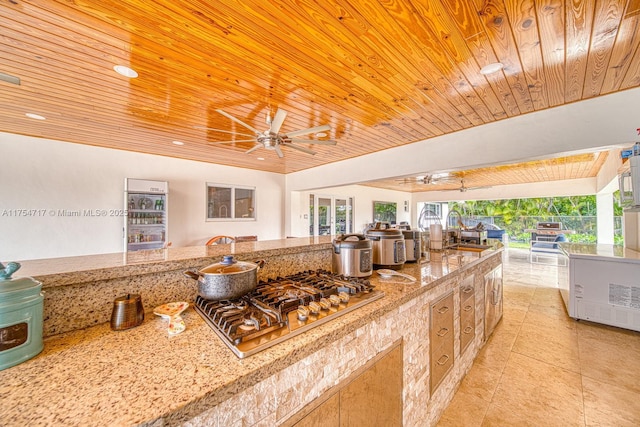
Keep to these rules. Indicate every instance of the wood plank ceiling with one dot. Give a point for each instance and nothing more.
(556, 169)
(382, 73)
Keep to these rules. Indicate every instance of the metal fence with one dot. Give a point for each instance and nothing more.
(585, 227)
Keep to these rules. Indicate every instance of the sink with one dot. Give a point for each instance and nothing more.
(469, 247)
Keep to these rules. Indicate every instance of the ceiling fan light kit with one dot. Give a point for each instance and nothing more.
(271, 139)
(430, 179)
(463, 188)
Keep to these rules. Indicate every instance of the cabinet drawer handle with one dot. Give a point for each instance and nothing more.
(443, 310)
(440, 333)
(468, 330)
(468, 308)
(441, 361)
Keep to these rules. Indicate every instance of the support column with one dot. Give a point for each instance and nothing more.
(604, 209)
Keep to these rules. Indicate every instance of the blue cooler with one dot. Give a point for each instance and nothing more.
(21, 302)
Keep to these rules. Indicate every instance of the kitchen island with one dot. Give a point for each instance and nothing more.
(142, 376)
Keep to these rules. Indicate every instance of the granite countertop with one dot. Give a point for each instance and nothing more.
(142, 376)
(69, 270)
(600, 251)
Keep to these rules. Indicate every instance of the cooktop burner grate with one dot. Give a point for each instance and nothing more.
(281, 308)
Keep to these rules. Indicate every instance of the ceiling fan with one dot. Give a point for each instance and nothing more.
(272, 139)
(438, 178)
(463, 188)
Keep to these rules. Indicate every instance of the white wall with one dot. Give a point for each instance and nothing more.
(362, 209)
(45, 176)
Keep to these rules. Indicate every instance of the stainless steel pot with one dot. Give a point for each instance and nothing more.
(228, 279)
(352, 255)
(388, 246)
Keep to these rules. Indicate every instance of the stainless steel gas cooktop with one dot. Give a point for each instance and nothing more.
(279, 309)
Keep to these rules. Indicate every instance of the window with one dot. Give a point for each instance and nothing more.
(230, 203)
(384, 212)
(430, 213)
(433, 208)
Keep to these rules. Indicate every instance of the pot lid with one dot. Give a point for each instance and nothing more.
(228, 265)
(411, 234)
(23, 284)
(24, 290)
(353, 241)
(10, 288)
(128, 299)
(389, 232)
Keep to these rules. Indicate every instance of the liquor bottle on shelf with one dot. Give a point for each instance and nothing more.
(146, 222)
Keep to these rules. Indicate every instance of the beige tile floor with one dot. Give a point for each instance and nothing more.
(542, 368)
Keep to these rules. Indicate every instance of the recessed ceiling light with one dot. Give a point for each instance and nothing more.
(321, 134)
(492, 68)
(125, 71)
(35, 116)
(260, 158)
(177, 142)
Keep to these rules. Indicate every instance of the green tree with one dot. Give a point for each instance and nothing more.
(517, 215)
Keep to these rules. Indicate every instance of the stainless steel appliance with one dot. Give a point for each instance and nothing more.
(479, 237)
(545, 240)
(412, 245)
(388, 246)
(547, 229)
(492, 300)
(352, 255)
(282, 308)
(547, 232)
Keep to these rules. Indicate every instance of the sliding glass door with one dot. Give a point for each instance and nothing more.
(330, 215)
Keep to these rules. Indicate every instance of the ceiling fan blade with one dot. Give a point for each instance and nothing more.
(460, 189)
(313, 141)
(255, 147)
(278, 151)
(240, 122)
(321, 128)
(231, 142)
(305, 150)
(222, 130)
(277, 121)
